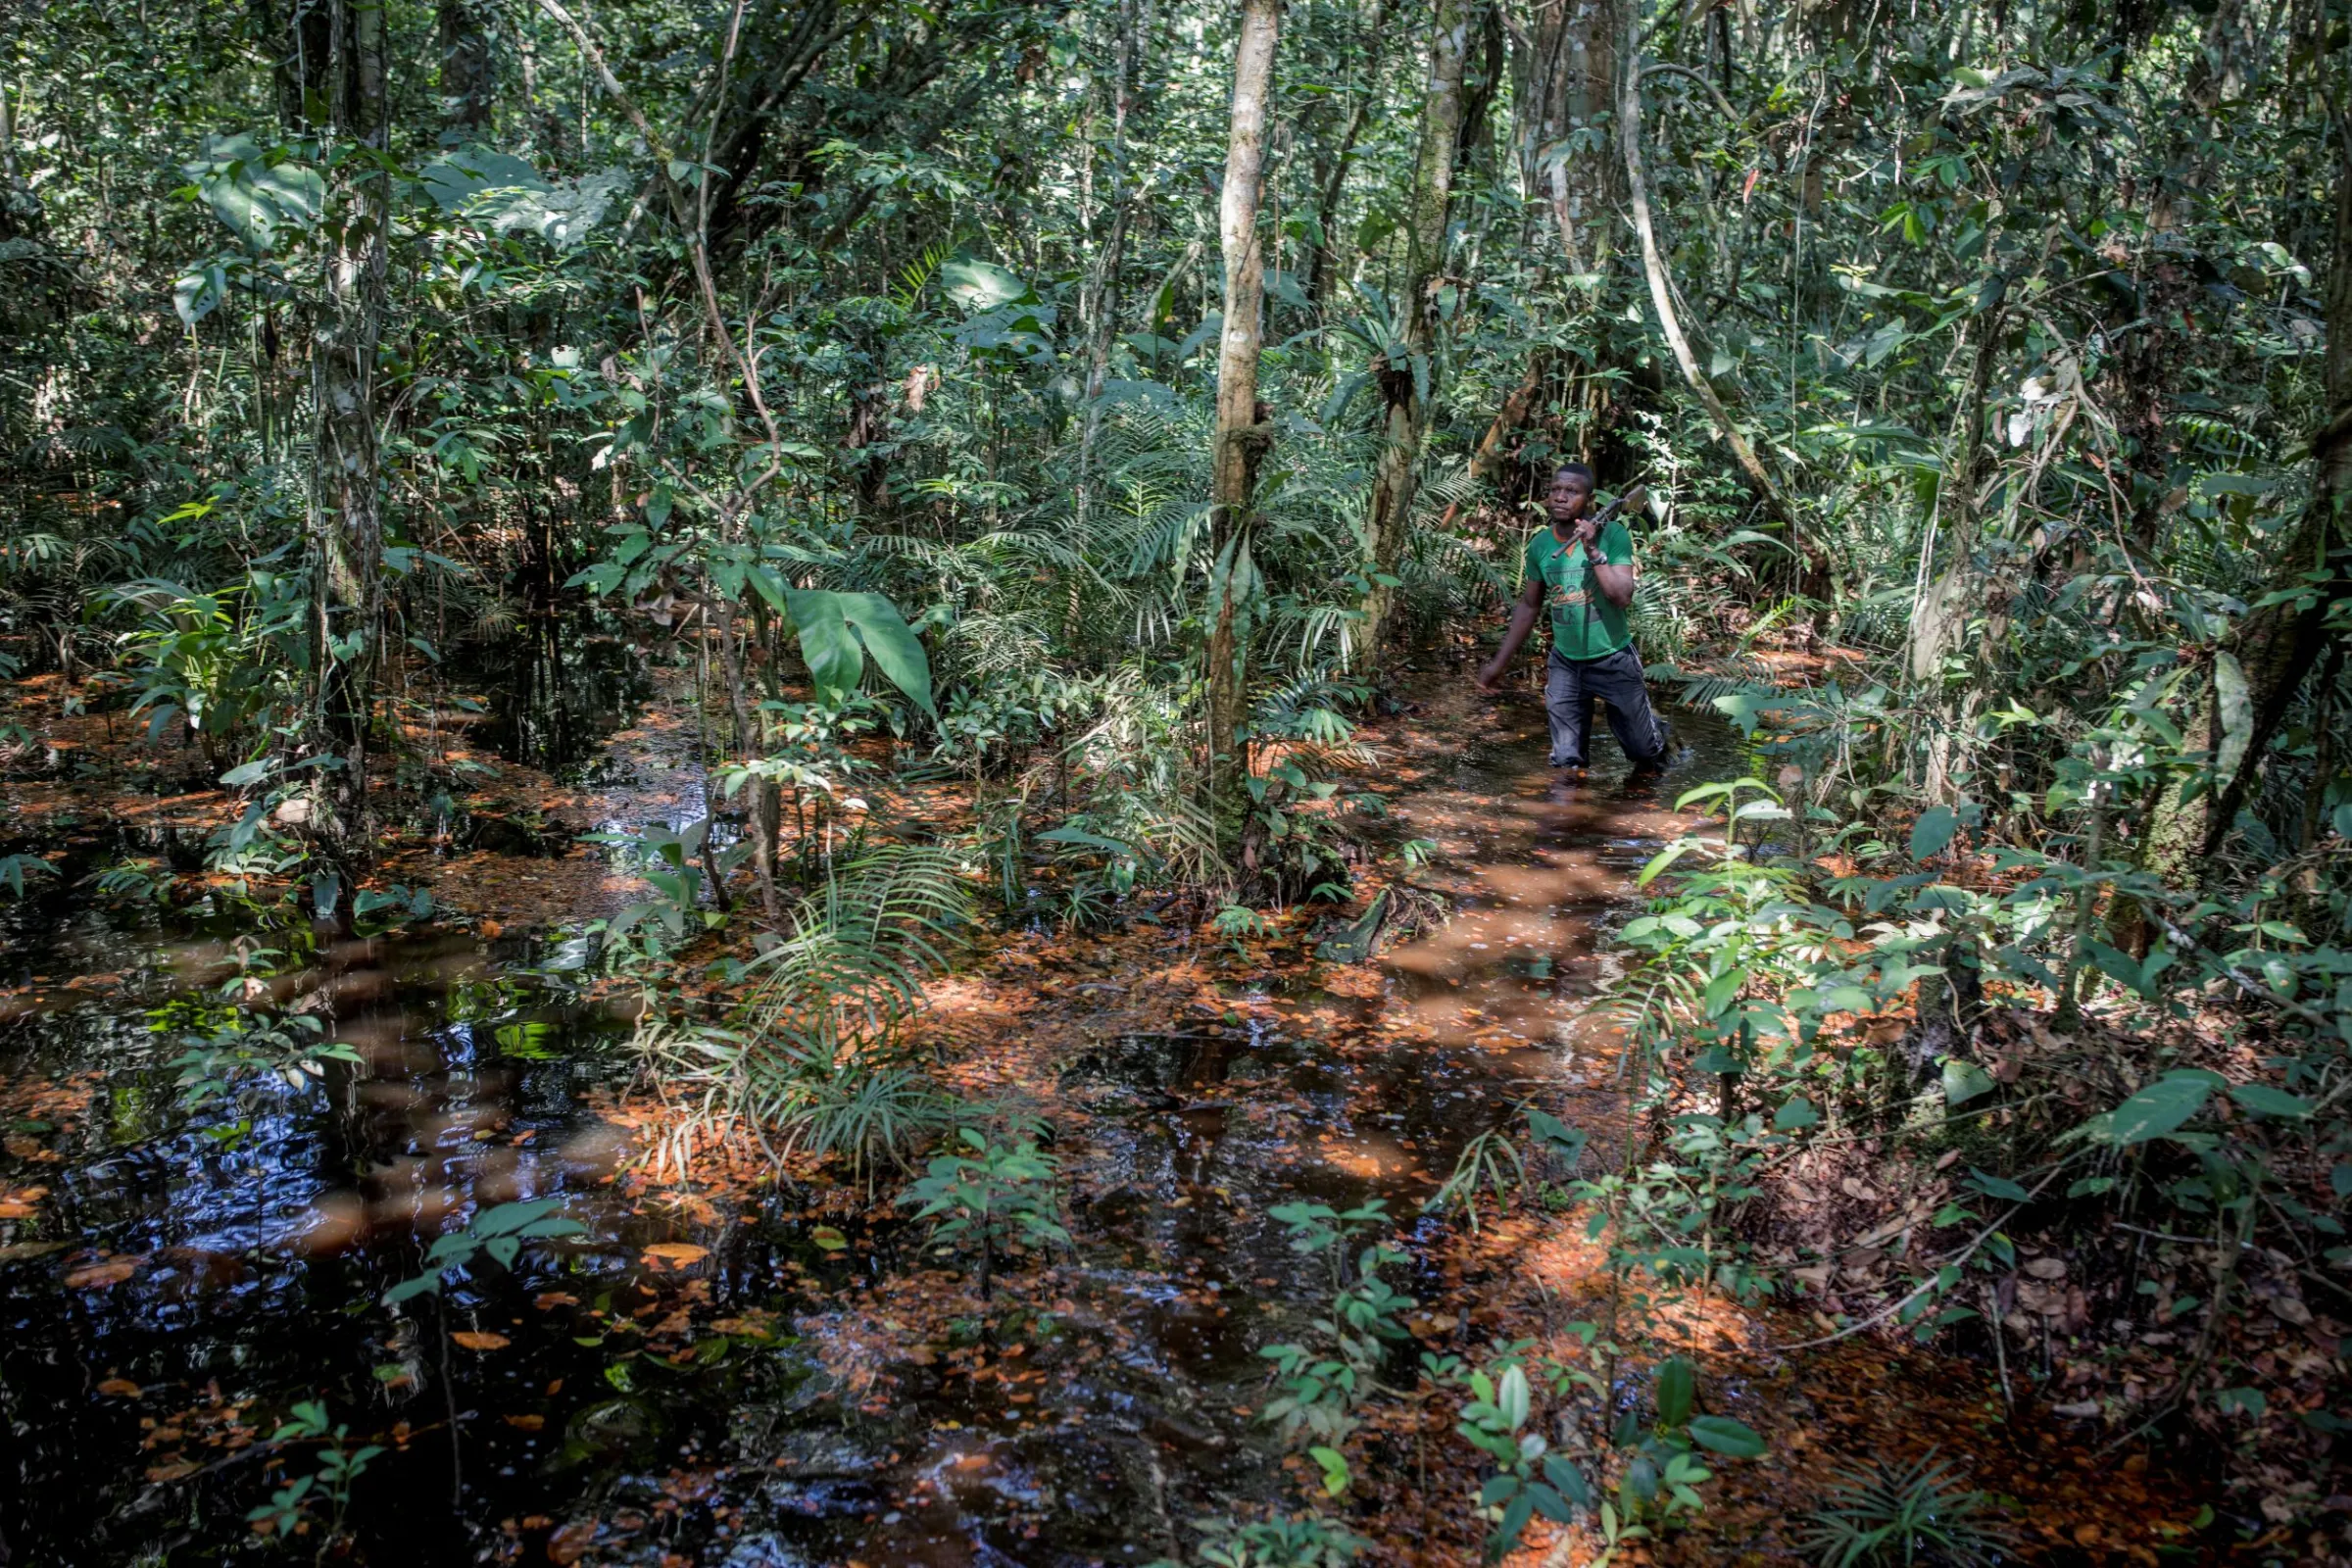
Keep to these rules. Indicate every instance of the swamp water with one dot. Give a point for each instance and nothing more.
(681, 1384)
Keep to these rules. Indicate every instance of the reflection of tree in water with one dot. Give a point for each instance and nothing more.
(554, 688)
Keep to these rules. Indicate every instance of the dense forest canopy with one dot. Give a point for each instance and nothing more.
(1111, 407)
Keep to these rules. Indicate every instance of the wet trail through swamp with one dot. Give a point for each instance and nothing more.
(758, 1376)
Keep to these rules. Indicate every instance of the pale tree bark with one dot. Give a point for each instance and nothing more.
(1242, 435)
(1815, 576)
(1409, 388)
(1566, 87)
(346, 520)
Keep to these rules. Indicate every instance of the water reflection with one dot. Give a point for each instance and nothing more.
(737, 1394)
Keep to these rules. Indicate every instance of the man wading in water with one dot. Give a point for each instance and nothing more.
(1585, 570)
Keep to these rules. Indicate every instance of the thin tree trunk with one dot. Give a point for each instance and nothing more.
(469, 70)
(1327, 203)
(1103, 310)
(346, 506)
(1410, 389)
(1241, 434)
(2279, 644)
(1661, 297)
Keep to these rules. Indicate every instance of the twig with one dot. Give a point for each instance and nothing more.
(1929, 1284)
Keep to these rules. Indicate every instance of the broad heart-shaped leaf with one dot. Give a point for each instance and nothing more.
(837, 630)
(1723, 1435)
(457, 177)
(1742, 710)
(1932, 832)
(1677, 1387)
(835, 660)
(2263, 1101)
(2000, 1187)
(2161, 1106)
(256, 202)
(979, 286)
(1799, 1113)
(893, 643)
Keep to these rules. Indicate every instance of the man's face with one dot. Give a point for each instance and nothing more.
(1569, 495)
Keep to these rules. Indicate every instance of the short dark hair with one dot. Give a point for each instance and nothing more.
(1583, 470)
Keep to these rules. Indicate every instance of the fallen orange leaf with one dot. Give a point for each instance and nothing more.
(119, 1389)
(480, 1342)
(98, 1276)
(571, 1542)
(675, 1254)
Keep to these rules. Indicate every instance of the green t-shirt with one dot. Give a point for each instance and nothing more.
(1584, 623)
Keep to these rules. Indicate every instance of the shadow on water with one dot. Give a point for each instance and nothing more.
(174, 1281)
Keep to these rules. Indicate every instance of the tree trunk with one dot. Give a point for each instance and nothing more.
(1101, 310)
(469, 70)
(1327, 206)
(1565, 86)
(2279, 644)
(346, 517)
(1241, 434)
(1408, 389)
(1815, 577)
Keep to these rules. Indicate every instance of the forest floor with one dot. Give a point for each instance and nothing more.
(828, 1388)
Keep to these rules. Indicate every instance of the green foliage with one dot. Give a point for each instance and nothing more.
(1885, 1514)
(1527, 1479)
(1305, 1541)
(14, 868)
(995, 1196)
(340, 1466)
(1322, 1384)
(500, 1232)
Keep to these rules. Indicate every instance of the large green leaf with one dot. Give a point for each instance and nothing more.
(260, 203)
(837, 630)
(1932, 832)
(1964, 1081)
(2162, 1106)
(979, 286)
(1677, 1388)
(894, 645)
(2263, 1101)
(2233, 706)
(1726, 1436)
(835, 660)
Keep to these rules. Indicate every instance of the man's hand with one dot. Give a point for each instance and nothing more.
(1489, 677)
(1588, 530)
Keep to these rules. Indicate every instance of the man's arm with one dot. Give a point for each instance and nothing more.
(1523, 621)
(1615, 579)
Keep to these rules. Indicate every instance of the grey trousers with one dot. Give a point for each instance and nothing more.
(1572, 686)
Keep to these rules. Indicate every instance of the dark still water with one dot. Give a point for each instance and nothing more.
(196, 1235)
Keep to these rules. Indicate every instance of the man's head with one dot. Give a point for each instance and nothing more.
(1570, 492)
